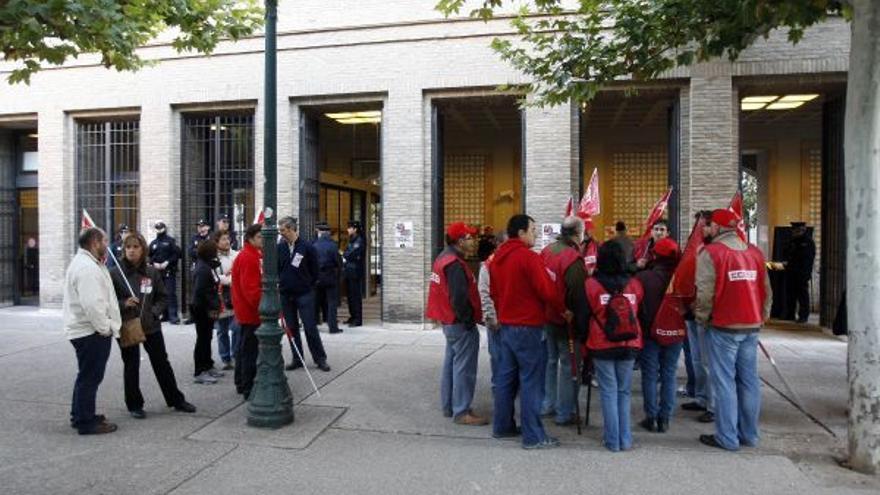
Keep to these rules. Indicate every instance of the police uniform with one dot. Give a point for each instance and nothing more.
(354, 275)
(799, 256)
(327, 288)
(164, 249)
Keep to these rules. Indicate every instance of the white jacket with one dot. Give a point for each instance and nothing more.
(90, 303)
(224, 273)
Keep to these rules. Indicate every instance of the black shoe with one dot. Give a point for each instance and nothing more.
(337, 330)
(323, 366)
(138, 414)
(710, 441)
(692, 406)
(662, 425)
(801, 321)
(706, 417)
(517, 431)
(648, 424)
(100, 429)
(355, 324)
(188, 321)
(294, 365)
(185, 407)
(348, 321)
(99, 418)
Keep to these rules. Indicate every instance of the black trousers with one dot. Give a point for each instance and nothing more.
(171, 294)
(302, 307)
(246, 360)
(328, 300)
(354, 297)
(92, 353)
(131, 360)
(204, 334)
(797, 295)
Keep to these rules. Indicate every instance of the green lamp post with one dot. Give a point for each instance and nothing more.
(271, 403)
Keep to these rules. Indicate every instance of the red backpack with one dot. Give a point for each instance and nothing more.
(669, 327)
(620, 320)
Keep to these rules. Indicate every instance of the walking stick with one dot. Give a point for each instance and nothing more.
(589, 382)
(298, 354)
(788, 388)
(574, 376)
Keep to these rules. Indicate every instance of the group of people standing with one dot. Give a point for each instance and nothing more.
(581, 305)
(104, 297)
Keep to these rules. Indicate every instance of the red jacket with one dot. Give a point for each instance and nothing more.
(247, 279)
(522, 286)
(590, 252)
(439, 302)
(558, 263)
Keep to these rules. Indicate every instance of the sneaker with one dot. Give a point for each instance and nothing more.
(227, 365)
(547, 443)
(662, 425)
(706, 417)
(185, 407)
(471, 419)
(711, 441)
(138, 414)
(204, 378)
(215, 373)
(100, 429)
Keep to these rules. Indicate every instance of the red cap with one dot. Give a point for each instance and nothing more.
(459, 230)
(666, 248)
(725, 218)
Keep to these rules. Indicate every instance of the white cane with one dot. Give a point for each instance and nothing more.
(115, 261)
(303, 361)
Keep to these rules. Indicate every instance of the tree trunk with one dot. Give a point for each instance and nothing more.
(862, 161)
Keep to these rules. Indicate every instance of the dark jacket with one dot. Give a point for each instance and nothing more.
(164, 248)
(628, 246)
(354, 256)
(575, 296)
(297, 269)
(329, 261)
(799, 255)
(459, 290)
(654, 281)
(148, 287)
(205, 296)
(194, 242)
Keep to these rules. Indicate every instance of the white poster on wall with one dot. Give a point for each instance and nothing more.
(403, 235)
(549, 233)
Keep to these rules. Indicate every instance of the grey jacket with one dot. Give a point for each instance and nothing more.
(490, 317)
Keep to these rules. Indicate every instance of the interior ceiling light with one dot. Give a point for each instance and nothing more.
(784, 105)
(33, 136)
(759, 99)
(752, 106)
(370, 114)
(803, 98)
(360, 120)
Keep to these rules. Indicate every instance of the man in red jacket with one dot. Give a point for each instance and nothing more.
(247, 279)
(733, 301)
(522, 290)
(453, 300)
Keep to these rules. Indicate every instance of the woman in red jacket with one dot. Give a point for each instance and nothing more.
(247, 278)
(614, 339)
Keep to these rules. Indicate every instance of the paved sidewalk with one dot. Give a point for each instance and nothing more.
(376, 428)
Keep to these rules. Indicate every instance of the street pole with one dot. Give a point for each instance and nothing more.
(271, 403)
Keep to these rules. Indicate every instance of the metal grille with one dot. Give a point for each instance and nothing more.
(217, 171)
(814, 218)
(638, 180)
(108, 172)
(7, 221)
(308, 173)
(465, 189)
(833, 279)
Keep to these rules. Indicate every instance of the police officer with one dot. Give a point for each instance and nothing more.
(329, 264)
(353, 259)
(203, 231)
(224, 225)
(799, 256)
(116, 245)
(164, 255)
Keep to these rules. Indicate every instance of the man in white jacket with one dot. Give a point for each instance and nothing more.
(91, 320)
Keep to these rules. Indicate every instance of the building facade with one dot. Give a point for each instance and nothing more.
(389, 114)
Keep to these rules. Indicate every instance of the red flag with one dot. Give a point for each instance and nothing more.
(656, 213)
(736, 206)
(260, 217)
(86, 222)
(683, 282)
(569, 207)
(590, 204)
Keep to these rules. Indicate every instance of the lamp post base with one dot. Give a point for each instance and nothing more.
(271, 403)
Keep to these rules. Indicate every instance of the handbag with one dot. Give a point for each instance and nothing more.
(132, 332)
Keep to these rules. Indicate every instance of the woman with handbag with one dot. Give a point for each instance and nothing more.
(228, 331)
(205, 309)
(142, 299)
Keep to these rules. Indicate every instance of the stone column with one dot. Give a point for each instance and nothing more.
(58, 219)
(551, 161)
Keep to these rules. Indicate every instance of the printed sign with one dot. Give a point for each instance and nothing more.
(403, 235)
(549, 233)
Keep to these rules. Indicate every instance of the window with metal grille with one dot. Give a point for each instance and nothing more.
(108, 172)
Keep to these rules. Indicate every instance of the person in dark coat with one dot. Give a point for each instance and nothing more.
(148, 304)
(353, 259)
(116, 246)
(224, 226)
(329, 265)
(297, 277)
(205, 309)
(164, 257)
(658, 362)
(799, 257)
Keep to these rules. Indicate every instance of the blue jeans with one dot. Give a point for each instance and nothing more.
(691, 385)
(615, 380)
(226, 346)
(659, 362)
(92, 353)
(734, 375)
(522, 361)
(560, 391)
(303, 305)
(700, 358)
(459, 377)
